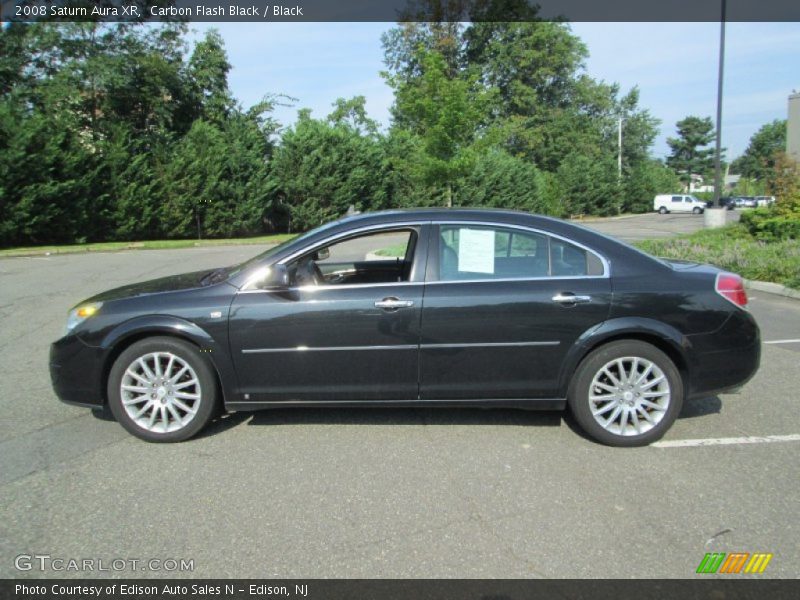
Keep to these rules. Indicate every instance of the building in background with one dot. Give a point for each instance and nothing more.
(793, 127)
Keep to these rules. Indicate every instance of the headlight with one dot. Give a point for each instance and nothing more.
(80, 313)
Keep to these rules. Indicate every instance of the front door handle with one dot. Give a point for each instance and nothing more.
(393, 303)
(570, 298)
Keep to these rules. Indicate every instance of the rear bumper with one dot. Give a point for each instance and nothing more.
(74, 372)
(726, 359)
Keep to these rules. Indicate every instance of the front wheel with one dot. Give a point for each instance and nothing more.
(162, 390)
(626, 393)
(697, 210)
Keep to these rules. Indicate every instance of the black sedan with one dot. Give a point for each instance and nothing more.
(417, 308)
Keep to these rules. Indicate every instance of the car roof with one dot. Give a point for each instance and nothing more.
(436, 213)
(497, 215)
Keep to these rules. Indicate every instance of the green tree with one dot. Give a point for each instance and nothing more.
(445, 113)
(216, 183)
(499, 180)
(585, 185)
(47, 175)
(689, 153)
(759, 158)
(432, 26)
(208, 70)
(647, 179)
(13, 55)
(353, 113)
(322, 168)
(538, 102)
(639, 130)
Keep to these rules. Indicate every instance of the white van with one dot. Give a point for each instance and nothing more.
(667, 203)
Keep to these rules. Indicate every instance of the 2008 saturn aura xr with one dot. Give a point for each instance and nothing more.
(417, 308)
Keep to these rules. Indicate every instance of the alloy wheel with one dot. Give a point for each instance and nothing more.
(629, 396)
(160, 392)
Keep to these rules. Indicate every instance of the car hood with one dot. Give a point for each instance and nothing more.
(173, 283)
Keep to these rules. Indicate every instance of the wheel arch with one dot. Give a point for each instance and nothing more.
(135, 330)
(664, 337)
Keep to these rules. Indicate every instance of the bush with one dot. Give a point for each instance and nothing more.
(585, 185)
(644, 182)
(500, 180)
(768, 225)
(779, 228)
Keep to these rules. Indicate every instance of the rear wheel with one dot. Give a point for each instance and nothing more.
(162, 390)
(662, 210)
(626, 393)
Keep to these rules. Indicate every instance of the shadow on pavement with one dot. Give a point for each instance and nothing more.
(701, 407)
(414, 416)
(385, 416)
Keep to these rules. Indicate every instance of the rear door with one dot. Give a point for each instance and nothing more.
(503, 305)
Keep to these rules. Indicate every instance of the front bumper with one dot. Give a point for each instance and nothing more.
(75, 372)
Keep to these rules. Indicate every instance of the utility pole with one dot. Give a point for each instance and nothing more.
(717, 163)
(619, 149)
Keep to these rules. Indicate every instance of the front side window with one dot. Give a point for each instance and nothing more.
(376, 257)
(475, 252)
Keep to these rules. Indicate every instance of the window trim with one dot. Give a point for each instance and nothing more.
(418, 226)
(430, 246)
(436, 234)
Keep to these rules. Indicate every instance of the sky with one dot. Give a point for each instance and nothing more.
(674, 65)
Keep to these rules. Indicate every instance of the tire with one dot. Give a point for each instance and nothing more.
(662, 210)
(665, 397)
(697, 211)
(171, 399)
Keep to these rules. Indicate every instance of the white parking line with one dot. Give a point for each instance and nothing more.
(766, 439)
(795, 341)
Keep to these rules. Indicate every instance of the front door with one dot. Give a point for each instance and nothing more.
(502, 310)
(346, 330)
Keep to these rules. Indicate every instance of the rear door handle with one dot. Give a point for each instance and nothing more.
(393, 303)
(569, 298)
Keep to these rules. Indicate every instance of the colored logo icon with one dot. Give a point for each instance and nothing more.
(734, 562)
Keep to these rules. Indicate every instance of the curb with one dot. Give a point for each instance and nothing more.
(137, 246)
(772, 288)
(601, 219)
(57, 252)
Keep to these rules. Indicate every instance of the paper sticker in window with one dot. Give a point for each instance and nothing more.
(476, 250)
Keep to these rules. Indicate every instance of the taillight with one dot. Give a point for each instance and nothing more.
(731, 287)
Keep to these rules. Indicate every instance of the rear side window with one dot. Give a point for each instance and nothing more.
(569, 260)
(475, 252)
(677, 198)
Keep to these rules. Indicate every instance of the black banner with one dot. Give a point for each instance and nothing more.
(398, 10)
(396, 589)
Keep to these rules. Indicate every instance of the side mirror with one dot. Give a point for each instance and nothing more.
(322, 254)
(275, 277)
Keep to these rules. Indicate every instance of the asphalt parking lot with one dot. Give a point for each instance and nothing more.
(653, 225)
(383, 492)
